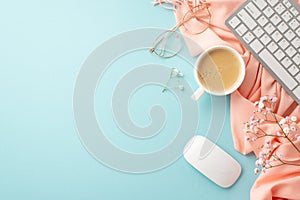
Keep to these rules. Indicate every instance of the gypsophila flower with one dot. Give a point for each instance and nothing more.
(256, 163)
(259, 110)
(180, 87)
(264, 98)
(274, 99)
(261, 105)
(174, 73)
(286, 130)
(282, 121)
(180, 74)
(260, 162)
(255, 129)
(287, 118)
(261, 154)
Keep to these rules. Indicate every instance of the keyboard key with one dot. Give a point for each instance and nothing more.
(298, 77)
(248, 37)
(279, 54)
(283, 44)
(290, 51)
(251, 8)
(296, 91)
(275, 19)
(276, 36)
(247, 19)
(272, 2)
(269, 28)
(296, 59)
(278, 69)
(293, 70)
(287, 16)
(296, 42)
(268, 11)
(262, 20)
(286, 3)
(286, 62)
(265, 39)
(234, 22)
(272, 47)
(289, 35)
(256, 45)
(279, 8)
(294, 11)
(261, 4)
(258, 32)
(282, 27)
(294, 24)
(241, 29)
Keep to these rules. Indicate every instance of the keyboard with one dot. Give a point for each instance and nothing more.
(270, 30)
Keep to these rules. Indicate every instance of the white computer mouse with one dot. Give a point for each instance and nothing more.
(212, 161)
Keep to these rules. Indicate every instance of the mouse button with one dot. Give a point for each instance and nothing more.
(193, 145)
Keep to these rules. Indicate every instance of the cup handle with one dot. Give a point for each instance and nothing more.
(197, 94)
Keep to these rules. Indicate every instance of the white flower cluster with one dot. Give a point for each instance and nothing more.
(254, 129)
(174, 73)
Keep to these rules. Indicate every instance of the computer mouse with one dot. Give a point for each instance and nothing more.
(212, 161)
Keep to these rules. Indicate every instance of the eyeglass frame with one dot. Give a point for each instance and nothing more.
(201, 6)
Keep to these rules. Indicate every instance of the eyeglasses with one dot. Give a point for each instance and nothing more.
(195, 21)
(169, 4)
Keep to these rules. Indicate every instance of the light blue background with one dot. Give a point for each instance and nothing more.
(42, 47)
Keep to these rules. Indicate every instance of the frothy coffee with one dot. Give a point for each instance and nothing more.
(219, 70)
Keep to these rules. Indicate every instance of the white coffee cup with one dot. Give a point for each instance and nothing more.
(219, 70)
